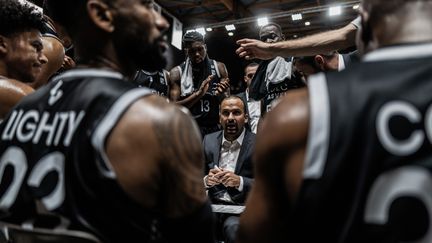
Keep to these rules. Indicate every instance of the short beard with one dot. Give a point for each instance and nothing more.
(137, 54)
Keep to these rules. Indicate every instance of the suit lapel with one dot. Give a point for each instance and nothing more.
(243, 152)
(218, 148)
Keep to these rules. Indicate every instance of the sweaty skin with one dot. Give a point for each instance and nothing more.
(11, 92)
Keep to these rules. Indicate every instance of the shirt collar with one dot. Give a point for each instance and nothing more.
(239, 139)
(341, 63)
(89, 73)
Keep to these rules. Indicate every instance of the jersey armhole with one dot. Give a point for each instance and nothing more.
(108, 123)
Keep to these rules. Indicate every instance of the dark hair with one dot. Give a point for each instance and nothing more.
(192, 36)
(16, 17)
(66, 12)
(271, 24)
(308, 60)
(252, 64)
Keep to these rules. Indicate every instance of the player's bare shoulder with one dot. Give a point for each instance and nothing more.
(162, 146)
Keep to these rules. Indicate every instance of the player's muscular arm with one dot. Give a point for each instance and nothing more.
(223, 87)
(11, 92)
(156, 153)
(174, 88)
(183, 163)
(279, 155)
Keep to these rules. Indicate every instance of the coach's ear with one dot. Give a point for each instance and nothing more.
(101, 15)
(320, 62)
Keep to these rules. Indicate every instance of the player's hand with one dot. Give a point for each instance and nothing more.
(205, 85)
(222, 86)
(251, 49)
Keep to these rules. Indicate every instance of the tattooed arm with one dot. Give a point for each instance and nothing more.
(157, 155)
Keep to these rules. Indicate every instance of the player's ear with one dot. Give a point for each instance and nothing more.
(3, 45)
(101, 15)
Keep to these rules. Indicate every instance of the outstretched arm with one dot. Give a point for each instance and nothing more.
(279, 155)
(311, 45)
(157, 155)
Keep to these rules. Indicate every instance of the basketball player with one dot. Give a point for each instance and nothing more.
(348, 159)
(21, 57)
(95, 152)
(203, 83)
(53, 50)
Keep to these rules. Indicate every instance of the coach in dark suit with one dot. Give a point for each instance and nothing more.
(229, 166)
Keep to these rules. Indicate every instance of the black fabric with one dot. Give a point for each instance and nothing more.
(94, 202)
(351, 58)
(176, 230)
(155, 81)
(332, 208)
(206, 110)
(258, 89)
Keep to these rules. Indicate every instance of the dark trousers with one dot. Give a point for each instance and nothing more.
(227, 226)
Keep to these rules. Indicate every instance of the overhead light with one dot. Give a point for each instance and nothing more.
(262, 21)
(209, 29)
(298, 16)
(356, 6)
(230, 27)
(307, 23)
(230, 33)
(201, 30)
(333, 11)
(295, 36)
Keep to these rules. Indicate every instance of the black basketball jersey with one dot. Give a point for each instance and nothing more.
(206, 110)
(157, 81)
(52, 153)
(367, 172)
(276, 90)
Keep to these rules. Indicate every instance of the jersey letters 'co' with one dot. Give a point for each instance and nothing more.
(367, 173)
(52, 154)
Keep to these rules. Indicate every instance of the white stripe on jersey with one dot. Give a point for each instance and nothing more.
(400, 52)
(319, 128)
(109, 122)
(88, 72)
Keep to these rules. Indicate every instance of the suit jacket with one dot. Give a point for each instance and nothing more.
(244, 167)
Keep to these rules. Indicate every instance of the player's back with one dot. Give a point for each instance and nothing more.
(53, 157)
(367, 176)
